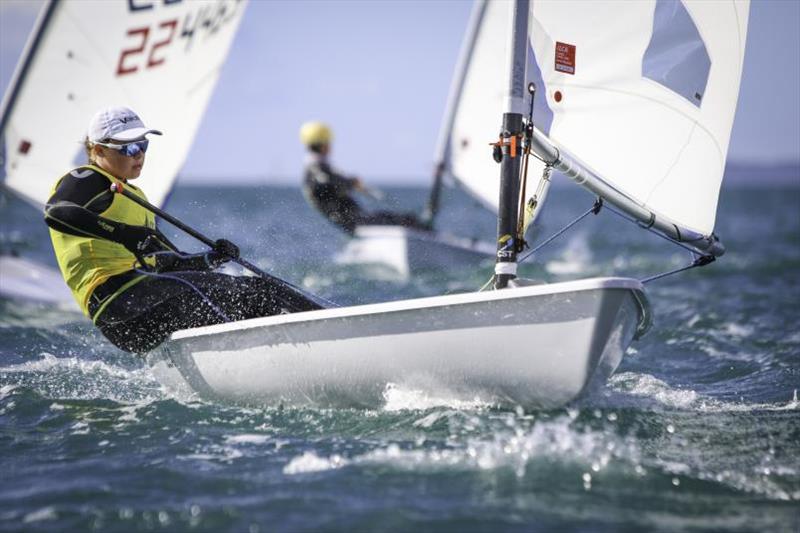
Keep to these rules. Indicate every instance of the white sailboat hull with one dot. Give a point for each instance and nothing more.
(25, 280)
(406, 250)
(533, 346)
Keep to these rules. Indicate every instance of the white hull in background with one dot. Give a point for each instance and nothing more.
(406, 250)
(25, 280)
(538, 346)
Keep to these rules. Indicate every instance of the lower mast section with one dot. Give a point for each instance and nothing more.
(507, 247)
(510, 145)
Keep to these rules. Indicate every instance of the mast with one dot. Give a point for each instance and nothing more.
(510, 143)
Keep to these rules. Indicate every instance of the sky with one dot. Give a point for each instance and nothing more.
(379, 72)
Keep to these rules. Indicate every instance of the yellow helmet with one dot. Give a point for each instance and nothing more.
(312, 133)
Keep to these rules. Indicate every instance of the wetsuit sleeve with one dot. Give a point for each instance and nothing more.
(75, 207)
(340, 181)
(323, 175)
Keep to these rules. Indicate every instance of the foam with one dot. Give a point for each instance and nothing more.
(39, 515)
(225, 454)
(404, 397)
(247, 438)
(652, 387)
(74, 378)
(6, 391)
(514, 448)
(738, 330)
(310, 462)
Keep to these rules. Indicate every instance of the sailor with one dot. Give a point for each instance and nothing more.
(134, 284)
(331, 192)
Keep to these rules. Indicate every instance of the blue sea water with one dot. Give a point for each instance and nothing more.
(699, 429)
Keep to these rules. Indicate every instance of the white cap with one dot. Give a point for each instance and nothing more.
(118, 124)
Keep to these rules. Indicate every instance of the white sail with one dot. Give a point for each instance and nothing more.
(161, 59)
(644, 94)
(475, 108)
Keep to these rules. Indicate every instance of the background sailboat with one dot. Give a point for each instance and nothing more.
(162, 59)
(463, 154)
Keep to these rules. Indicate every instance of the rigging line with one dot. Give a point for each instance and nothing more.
(526, 143)
(524, 181)
(534, 154)
(651, 230)
(191, 285)
(594, 209)
(487, 284)
(699, 261)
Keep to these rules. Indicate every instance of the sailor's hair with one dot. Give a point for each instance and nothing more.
(87, 146)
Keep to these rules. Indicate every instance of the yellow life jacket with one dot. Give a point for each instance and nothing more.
(87, 262)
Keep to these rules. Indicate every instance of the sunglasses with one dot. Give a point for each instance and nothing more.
(128, 149)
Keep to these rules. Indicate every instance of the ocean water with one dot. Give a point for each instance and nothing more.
(699, 429)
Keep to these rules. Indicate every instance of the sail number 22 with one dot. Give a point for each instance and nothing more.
(127, 63)
(148, 43)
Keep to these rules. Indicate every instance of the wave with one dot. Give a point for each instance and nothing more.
(516, 448)
(648, 386)
(74, 378)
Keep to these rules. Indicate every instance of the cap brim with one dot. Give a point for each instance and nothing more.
(134, 134)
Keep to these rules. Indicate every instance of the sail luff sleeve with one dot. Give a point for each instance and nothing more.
(444, 142)
(18, 78)
(446, 130)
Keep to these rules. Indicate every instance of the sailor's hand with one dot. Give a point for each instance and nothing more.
(141, 240)
(222, 252)
(226, 248)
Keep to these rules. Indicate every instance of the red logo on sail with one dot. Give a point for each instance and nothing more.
(565, 58)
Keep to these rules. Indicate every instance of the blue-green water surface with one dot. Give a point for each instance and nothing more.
(699, 429)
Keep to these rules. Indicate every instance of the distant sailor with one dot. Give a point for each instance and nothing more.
(331, 192)
(125, 274)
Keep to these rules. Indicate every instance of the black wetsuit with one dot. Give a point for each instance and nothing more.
(180, 292)
(330, 192)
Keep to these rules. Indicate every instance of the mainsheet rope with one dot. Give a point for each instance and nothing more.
(595, 209)
(697, 260)
(191, 285)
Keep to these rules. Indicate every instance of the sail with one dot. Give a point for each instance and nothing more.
(475, 108)
(644, 94)
(161, 59)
